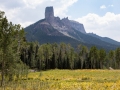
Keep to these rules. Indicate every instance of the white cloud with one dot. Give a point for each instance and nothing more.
(111, 5)
(24, 11)
(61, 10)
(106, 26)
(33, 3)
(105, 7)
(102, 7)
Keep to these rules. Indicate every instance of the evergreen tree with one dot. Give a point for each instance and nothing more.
(71, 56)
(117, 57)
(93, 56)
(83, 56)
(111, 57)
(41, 58)
(55, 51)
(62, 55)
(102, 56)
(11, 37)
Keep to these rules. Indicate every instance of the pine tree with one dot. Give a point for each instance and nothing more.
(93, 56)
(102, 56)
(117, 57)
(83, 56)
(11, 37)
(71, 57)
(111, 57)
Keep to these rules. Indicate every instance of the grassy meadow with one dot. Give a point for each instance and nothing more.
(68, 80)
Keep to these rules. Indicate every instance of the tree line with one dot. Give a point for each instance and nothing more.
(64, 56)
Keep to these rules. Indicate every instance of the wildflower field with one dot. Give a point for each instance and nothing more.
(67, 80)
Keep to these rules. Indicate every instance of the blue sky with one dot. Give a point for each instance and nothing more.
(83, 7)
(101, 17)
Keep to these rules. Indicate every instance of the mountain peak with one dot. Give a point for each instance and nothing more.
(53, 29)
(49, 14)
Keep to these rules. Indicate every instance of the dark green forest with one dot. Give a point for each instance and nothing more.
(17, 55)
(12, 39)
(64, 56)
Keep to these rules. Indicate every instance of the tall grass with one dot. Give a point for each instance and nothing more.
(67, 80)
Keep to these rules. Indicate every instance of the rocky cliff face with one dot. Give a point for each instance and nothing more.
(64, 25)
(78, 26)
(49, 14)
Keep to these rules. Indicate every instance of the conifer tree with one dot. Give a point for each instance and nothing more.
(11, 38)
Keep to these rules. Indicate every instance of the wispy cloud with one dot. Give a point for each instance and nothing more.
(103, 7)
(33, 3)
(111, 5)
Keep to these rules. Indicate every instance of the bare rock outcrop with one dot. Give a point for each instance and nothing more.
(78, 26)
(49, 14)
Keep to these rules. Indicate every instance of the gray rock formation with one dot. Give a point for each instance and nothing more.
(64, 26)
(78, 26)
(49, 14)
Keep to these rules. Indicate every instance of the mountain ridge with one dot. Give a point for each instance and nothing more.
(53, 29)
(106, 39)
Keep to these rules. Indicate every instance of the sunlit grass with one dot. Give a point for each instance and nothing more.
(68, 80)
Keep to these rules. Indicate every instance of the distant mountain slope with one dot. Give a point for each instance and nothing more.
(47, 34)
(52, 29)
(106, 39)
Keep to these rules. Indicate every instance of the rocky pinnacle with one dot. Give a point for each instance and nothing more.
(49, 14)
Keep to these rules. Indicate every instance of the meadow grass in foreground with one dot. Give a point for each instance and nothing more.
(68, 80)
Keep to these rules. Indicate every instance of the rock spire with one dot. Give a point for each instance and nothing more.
(49, 14)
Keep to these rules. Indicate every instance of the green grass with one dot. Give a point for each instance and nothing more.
(68, 80)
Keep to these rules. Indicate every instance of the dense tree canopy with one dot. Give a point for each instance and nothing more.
(64, 56)
(11, 42)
